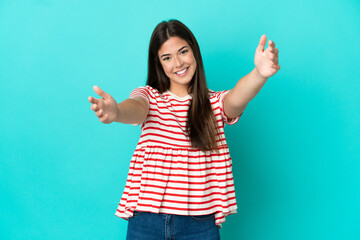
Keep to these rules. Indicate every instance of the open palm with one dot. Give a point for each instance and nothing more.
(105, 108)
(266, 61)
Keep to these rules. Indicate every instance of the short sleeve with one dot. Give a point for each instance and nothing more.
(140, 92)
(221, 97)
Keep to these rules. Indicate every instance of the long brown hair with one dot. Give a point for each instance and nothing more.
(201, 124)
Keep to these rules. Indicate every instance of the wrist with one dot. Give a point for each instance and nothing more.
(258, 76)
(117, 114)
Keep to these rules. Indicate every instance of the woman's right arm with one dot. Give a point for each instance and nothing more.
(130, 111)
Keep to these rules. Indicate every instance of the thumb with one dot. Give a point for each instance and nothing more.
(100, 92)
(262, 44)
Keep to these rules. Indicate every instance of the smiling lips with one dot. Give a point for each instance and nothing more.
(182, 72)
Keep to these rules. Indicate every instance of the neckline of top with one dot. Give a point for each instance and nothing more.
(189, 96)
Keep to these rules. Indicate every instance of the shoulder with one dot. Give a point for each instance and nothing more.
(148, 90)
(217, 95)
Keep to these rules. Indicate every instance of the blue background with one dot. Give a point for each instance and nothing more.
(295, 151)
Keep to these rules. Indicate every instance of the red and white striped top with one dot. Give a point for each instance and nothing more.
(168, 175)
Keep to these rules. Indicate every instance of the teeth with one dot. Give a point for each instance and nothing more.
(182, 71)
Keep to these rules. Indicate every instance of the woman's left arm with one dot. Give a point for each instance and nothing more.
(266, 65)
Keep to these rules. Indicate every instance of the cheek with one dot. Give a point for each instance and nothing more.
(192, 60)
(166, 68)
(194, 63)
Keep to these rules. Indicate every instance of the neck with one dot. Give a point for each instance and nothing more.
(181, 92)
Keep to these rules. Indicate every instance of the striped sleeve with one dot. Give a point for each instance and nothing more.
(140, 92)
(221, 97)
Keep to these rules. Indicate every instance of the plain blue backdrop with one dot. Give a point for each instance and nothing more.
(295, 151)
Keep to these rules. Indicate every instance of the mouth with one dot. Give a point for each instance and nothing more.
(182, 72)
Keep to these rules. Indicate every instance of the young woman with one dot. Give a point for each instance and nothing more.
(180, 183)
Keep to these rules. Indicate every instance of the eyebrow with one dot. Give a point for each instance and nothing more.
(169, 54)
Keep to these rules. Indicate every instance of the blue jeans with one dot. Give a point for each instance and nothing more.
(153, 226)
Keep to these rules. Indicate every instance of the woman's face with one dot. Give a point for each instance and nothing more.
(178, 62)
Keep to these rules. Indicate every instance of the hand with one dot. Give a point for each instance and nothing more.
(266, 62)
(106, 108)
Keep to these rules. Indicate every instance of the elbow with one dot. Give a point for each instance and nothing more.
(235, 112)
(234, 108)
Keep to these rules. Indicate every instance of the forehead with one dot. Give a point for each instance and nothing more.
(172, 45)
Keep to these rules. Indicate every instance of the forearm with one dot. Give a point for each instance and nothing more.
(246, 88)
(243, 92)
(266, 65)
(130, 111)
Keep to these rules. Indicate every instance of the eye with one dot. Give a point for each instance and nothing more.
(165, 59)
(185, 51)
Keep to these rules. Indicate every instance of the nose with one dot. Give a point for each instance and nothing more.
(178, 62)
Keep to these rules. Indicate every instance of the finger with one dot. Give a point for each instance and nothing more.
(100, 92)
(94, 107)
(99, 113)
(104, 118)
(273, 50)
(277, 67)
(262, 43)
(276, 61)
(271, 44)
(272, 56)
(92, 100)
